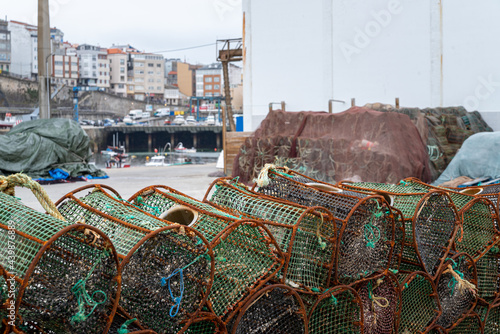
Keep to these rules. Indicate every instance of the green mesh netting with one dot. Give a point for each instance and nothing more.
(243, 255)
(365, 225)
(456, 287)
(165, 279)
(71, 286)
(430, 222)
(492, 320)
(274, 309)
(420, 304)
(488, 273)
(470, 325)
(306, 235)
(338, 311)
(381, 299)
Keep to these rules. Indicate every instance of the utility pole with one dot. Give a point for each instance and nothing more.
(232, 50)
(43, 53)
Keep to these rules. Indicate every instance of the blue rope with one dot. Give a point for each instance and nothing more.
(177, 300)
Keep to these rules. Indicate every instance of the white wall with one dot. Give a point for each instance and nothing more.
(427, 53)
(21, 50)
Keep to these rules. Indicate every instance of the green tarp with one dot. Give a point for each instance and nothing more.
(35, 147)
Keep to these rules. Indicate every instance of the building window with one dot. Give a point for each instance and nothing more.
(122, 61)
(216, 87)
(120, 86)
(139, 64)
(158, 88)
(208, 87)
(151, 65)
(151, 72)
(208, 79)
(216, 79)
(158, 65)
(130, 87)
(122, 69)
(122, 78)
(139, 72)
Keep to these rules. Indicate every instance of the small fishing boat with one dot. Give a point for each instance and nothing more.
(181, 149)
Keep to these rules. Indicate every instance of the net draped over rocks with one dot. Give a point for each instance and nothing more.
(358, 144)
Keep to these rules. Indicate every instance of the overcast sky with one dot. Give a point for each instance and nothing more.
(149, 25)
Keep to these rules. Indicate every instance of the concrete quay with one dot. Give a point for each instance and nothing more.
(192, 180)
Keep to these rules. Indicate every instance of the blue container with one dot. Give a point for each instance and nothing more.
(239, 123)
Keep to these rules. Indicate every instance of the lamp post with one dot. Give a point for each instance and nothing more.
(48, 82)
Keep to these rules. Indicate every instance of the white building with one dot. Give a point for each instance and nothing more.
(146, 76)
(94, 66)
(118, 71)
(24, 43)
(427, 53)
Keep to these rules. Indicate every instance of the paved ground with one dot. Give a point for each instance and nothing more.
(192, 180)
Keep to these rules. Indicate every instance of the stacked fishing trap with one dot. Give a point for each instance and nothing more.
(291, 254)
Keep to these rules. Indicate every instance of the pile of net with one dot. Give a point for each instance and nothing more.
(290, 254)
(48, 150)
(357, 144)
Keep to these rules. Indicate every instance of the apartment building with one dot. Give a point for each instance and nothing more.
(5, 47)
(186, 78)
(64, 70)
(146, 75)
(93, 66)
(210, 79)
(24, 54)
(118, 71)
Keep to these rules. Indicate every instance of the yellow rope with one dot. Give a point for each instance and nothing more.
(8, 183)
(263, 179)
(462, 283)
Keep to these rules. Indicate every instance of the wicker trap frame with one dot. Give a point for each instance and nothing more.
(338, 310)
(488, 273)
(167, 269)
(244, 253)
(307, 236)
(491, 192)
(62, 271)
(456, 286)
(420, 303)
(365, 223)
(275, 309)
(431, 222)
(491, 317)
(381, 299)
(254, 246)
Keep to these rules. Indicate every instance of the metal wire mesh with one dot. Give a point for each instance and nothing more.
(470, 325)
(166, 278)
(66, 272)
(365, 224)
(479, 229)
(273, 309)
(420, 304)
(456, 287)
(381, 299)
(488, 273)
(306, 235)
(243, 255)
(430, 219)
(338, 310)
(491, 322)
(123, 223)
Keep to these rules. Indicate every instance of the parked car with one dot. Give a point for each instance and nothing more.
(108, 122)
(167, 122)
(99, 122)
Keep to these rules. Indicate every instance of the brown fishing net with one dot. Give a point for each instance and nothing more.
(381, 299)
(356, 144)
(420, 303)
(365, 224)
(275, 309)
(62, 271)
(338, 310)
(430, 218)
(457, 289)
(306, 235)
